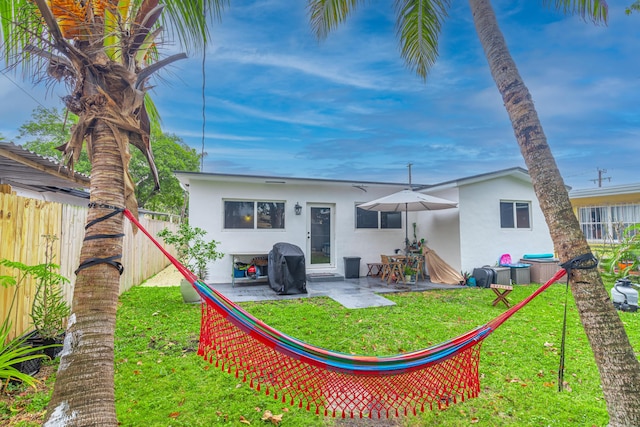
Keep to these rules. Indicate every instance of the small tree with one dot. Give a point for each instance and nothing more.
(49, 311)
(193, 251)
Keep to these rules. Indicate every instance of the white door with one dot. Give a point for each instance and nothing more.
(320, 235)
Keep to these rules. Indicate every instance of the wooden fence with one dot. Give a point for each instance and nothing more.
(24, 221)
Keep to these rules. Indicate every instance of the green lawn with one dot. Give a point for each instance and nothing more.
(160, 380)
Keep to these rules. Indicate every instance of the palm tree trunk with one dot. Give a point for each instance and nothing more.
(618, 366)
(84, 388)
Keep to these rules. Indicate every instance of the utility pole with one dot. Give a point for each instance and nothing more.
(600, 177)
(409, 166)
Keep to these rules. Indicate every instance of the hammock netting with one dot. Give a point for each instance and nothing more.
(335, 383)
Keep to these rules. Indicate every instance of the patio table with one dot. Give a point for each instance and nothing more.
(415, 261)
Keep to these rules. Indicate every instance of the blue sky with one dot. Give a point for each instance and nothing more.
(279, 102)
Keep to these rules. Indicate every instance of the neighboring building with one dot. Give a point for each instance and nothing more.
(604, 212)
(497, 213)
(34, 176)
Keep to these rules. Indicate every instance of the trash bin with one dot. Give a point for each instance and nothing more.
(503, 275)
(520, 273)
(351, 267)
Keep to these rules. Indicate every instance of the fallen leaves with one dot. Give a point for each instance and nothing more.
(268, 416)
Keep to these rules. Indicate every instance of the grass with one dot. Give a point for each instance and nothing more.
(160, 380)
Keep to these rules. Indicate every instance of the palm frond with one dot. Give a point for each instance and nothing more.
(418, 28)
(594, 10)
(187, 20)
(326, 15)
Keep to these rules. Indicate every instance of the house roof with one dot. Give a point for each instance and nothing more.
(25, 169)
(185, 177)
(516, 172)
(615, 190)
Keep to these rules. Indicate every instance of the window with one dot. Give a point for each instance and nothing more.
(515, 215)
(390, 219)
(374, 219)
(366, 219)
(252, 215)
(600, 223)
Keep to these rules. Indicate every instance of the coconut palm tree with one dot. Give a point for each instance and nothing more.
(418, 26)
(105, 51)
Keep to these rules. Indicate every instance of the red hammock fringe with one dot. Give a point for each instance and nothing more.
(330, 392)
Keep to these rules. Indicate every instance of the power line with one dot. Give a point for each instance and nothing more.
(51, 110)
(4, 73)
(204, 101)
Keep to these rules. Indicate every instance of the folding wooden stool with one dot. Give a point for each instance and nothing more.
(501, 292)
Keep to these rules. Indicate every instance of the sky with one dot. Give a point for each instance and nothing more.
(279, 102)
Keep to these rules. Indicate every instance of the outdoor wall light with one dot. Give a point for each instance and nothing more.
(298, 208)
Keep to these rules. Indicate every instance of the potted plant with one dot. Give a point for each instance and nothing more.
(623, 257)
(465, 278)
(16, 355)
(409, 274)
(193, 252)
(20, 357)
(49, 310)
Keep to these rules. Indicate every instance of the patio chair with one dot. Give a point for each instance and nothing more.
(419, 265)
(391, 268)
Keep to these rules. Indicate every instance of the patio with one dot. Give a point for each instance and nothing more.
(351, 293)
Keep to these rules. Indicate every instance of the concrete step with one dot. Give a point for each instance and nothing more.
(324, 277)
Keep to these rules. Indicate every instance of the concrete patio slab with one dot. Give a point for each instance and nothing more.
(363, 292)
(351, 293)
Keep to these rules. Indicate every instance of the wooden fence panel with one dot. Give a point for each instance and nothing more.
(140, 258)
(24, 221)
(73, 219)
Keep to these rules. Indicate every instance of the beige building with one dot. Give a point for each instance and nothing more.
(604, 212)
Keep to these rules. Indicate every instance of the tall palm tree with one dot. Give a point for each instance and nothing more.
(418, 26)
(105, 51)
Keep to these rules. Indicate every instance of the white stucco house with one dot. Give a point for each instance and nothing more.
(497, 213)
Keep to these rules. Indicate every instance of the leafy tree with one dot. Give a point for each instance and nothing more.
(105, 51)
(47, 130)
(418, 24)
(170, 154)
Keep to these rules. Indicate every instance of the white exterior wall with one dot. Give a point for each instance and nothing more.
(465, 237)
(441, 229)
(483, 241)
(206, 210)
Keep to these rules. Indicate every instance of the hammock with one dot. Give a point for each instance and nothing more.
(333, 382)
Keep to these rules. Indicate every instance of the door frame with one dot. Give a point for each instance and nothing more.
(332, 236)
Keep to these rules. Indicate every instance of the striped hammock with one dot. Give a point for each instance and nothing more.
(337, 383)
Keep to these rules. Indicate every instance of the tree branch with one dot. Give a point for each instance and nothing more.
(47, 55)
(144, 74)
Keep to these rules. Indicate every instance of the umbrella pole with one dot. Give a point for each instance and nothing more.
(406, 229)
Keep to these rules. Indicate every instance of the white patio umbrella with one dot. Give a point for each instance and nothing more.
(407, 200)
